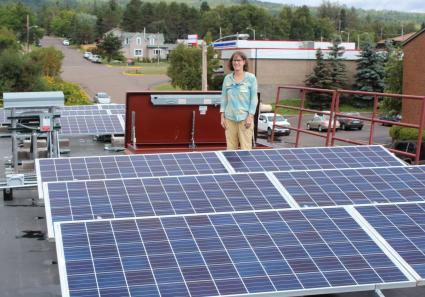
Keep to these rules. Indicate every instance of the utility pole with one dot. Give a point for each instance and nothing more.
(204, 66)
(28, 33)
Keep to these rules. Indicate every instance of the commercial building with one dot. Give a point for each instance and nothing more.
(279, 63)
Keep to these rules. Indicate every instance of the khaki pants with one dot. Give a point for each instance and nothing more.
(236, 134)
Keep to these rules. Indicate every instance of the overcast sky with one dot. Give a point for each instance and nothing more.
(400, 5)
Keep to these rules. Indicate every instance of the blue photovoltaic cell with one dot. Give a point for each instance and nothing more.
(91, 124)
(3, 116)
(355, 186)
(83, 200)
(403, 227)
(112, 106)
(80, 107)
(311, 158)
(221, 254)
(108, 167)
(67, 113)
(117, 111)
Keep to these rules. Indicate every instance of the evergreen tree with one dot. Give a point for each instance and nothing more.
(320, 78)
(204, 7)
(338, 71)
(111, 46)
(132, 18)
(393, 81)
(370, 75)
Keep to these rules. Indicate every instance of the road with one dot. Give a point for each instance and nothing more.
(381, 135)
(100, 78)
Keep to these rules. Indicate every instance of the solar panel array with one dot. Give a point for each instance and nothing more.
(354, 186)
(181, 225)
(77, 110)
(109, 167)
(73, 201)
(403, 227)
(91, 125)
(223, 254)
(3, 117)
(311, 158)
(73, 112)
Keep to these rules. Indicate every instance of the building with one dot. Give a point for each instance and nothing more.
(141, 44)
(278, 63)
(395, 41)
(413, 75)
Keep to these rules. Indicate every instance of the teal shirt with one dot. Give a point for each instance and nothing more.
(238, 100)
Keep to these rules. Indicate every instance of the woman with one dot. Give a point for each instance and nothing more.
(238, 103)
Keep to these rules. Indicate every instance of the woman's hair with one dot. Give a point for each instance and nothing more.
(243, 57)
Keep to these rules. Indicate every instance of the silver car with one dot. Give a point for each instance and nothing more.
(320, 122)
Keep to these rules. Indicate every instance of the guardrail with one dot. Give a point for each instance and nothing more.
(334, 113)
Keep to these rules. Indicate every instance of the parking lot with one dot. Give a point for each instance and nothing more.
(381, 135)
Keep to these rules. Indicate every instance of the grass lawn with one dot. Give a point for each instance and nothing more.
(165, 87)
(296, 103)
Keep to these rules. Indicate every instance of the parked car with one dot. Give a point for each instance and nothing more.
(390, 117)
(102, 98)
(88, 55)
(65, 42)
(96, 59)
(265, 124)
(350, 123)
(320, 122)
(409, 146)
(219, 69)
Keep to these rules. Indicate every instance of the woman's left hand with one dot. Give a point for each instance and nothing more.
(249, 121)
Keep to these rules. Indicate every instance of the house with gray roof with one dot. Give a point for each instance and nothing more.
(142, 44)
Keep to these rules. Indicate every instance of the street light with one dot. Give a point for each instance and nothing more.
(253, 32)
(204, 56)
(348, 35)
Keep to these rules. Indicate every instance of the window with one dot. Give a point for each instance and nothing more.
(138, 41)
(127, 41)
(152, 40)
(157, 52)
(138, 53)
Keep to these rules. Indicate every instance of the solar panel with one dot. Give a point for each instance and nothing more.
(403, 228)
(354, 186)
(73, 112)
(278, 253)
(112, 106)
(85, 200)
(80, 107)
(3, 116)
(311, 158)
(91, 125)
(117, 111)
(109, 167)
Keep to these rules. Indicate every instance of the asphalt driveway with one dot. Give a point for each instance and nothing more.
(100, 78)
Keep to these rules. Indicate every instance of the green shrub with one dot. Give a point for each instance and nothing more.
(74, 95)
(402, 133)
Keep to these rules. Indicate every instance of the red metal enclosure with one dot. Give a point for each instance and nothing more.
(173, 127)
(334, 112)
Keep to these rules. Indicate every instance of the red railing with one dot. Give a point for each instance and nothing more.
(334, 113)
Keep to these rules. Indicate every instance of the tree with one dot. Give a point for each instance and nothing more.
(185, 67)
(393, 81)
(302, 27)
(49, 59)
(110, 46)
(338, 71)
(84, 28)
(7, 39)
(18, 74)
(132, 17)
(370, 75)
(319, 78)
